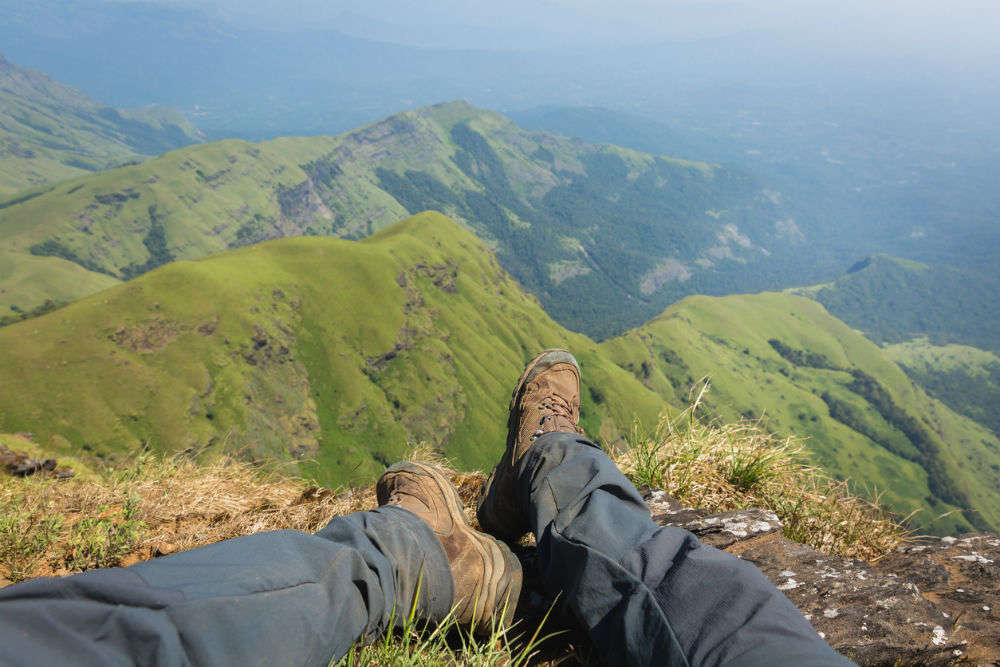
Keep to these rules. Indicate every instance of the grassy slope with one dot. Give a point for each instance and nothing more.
(965, 378)
(631, 229)
(35, 279)
(340, 352)
(111, 235)
(728, 340)
(326, 349)
(51, 132)
(895, 300)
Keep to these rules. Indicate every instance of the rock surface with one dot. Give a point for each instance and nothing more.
(930, 603)
(20, 464)
(961, 576)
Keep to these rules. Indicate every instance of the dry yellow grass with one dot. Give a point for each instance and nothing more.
(153, 506)
(162, 506)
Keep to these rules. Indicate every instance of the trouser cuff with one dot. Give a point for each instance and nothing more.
(418, 562)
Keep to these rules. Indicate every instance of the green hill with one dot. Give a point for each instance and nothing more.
(605, 237)
(895, 300)
(334, 355)
(941, 324)
(51, 132)
(965, 378)
(308, 349)
(784, 357)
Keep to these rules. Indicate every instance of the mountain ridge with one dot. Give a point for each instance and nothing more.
(328, 353)
(332, 355)
(634, 231)
(50, 131)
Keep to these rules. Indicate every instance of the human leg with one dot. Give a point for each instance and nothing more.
(279, 598)
(282, 597)
(650, 594)
(647, 594)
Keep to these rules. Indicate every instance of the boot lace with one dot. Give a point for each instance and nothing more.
(558, 415)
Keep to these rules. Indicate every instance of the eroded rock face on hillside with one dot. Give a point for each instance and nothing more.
(931, 603)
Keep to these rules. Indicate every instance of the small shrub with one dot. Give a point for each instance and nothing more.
(25, 536)
(102, 541)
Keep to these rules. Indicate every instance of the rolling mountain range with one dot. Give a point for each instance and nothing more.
(895, 300)
(336, 351)
(199, 327)
(941, 324)
(333, 354)
(51, 132)
(605, 237)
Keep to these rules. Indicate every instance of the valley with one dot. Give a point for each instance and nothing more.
(336, 356)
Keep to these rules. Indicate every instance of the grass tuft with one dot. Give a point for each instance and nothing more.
(447, 644)
(718, 466)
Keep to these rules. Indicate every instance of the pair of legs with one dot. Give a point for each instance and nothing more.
(646, 594)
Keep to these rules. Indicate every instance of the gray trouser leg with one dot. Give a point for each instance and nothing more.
(283, 598)
(651, 595)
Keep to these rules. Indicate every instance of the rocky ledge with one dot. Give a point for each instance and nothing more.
(933, 602)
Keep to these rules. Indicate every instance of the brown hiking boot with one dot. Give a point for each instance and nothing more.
(487, 576)
(545, 399)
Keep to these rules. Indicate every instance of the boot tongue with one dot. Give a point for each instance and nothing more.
(406, 493)
(557, 422)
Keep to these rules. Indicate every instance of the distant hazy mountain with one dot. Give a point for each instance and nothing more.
(865, 156)
(858, 179)
(605, 237)
(50, 132)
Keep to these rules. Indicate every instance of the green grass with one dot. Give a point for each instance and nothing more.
(102, 540)
(447, 643)
(729, 339)
(965, 378)
(51, 132)
(24, 539)
(337, 355)
(895, 300)
(333, 353)
(634, 230)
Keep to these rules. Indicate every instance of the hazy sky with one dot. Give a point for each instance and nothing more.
(952, 28)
